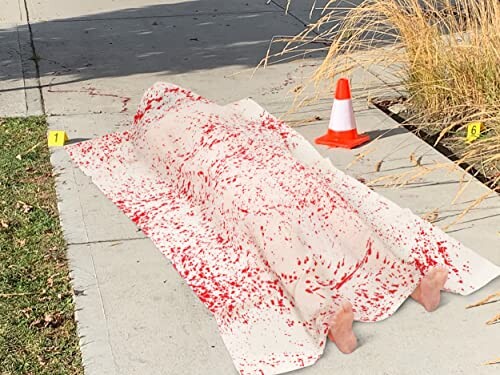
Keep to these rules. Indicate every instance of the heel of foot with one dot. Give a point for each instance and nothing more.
(428, 293)
(347, 345)
(341, 329)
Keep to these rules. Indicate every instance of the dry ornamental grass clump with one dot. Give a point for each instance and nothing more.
(445, 54)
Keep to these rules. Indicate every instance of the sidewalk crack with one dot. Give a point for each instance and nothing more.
(107, 241)
(291, 14)
(23, 72)
(35, 57)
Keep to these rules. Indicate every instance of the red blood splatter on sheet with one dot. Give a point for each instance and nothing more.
(269, 242)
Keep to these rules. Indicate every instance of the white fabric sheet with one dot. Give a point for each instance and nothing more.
(270, 236)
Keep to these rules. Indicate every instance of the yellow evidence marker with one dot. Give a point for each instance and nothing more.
(474, 131)
(57, 138)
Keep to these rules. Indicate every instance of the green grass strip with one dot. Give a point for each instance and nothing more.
(37, 327)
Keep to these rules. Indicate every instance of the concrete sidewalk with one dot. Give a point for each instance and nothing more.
(86, 65)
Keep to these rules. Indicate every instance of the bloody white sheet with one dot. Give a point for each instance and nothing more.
(270, 236)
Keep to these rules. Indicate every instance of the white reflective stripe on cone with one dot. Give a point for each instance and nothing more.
(342, 118)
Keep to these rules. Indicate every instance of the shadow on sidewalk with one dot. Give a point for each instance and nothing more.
(157, 39)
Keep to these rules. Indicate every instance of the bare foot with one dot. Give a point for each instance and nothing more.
(428, 293)
(341, 330)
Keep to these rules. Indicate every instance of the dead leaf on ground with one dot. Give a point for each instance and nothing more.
(24, 207)
(54, 320)
(36, 323)
(41, 360)
(49, 320)
(431, 216)
(26, 312)
(21, 242)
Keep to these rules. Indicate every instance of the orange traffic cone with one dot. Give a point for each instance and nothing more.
(342, 128)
